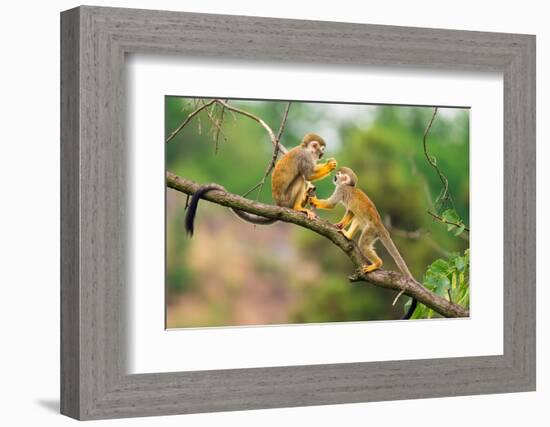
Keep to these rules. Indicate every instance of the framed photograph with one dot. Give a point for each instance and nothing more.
(262, 213)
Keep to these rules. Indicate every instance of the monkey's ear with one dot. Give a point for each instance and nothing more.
(350, 180)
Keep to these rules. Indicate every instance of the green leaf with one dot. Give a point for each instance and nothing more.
(437, 282)
(451, 216)
(433, 160)
(459, 263)
(459, 230)
(439, 266)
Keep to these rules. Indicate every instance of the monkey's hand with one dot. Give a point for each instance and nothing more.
(321, 204)
(339, 225)
(314, 202)
(323, 169)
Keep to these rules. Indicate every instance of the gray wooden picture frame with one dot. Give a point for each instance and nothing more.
(94, 268)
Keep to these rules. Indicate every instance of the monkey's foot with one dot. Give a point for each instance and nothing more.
(309, 214)
(368, 268)
(345, 234)
(339, 225)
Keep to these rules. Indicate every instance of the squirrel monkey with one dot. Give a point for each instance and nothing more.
(290, 186)
(361, 214)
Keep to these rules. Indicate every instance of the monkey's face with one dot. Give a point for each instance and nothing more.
(316, 149)
(310, 189)
(342, 178)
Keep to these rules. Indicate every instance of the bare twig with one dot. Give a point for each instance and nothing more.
(219, 128)
(283, 123)
(231, 108)
(444, 195)
(188, 119)
(269, 131)
(382, 278)
(217, 123)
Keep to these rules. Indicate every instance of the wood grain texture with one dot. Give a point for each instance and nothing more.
(95, 237)
(70, 292)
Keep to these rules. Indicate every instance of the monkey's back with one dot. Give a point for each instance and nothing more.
(290, 169)
(362, 207)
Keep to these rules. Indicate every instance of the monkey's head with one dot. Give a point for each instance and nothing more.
(314, 144)
(310, 189)
(345, 176)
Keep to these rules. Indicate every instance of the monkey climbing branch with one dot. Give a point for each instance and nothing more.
(382, 278)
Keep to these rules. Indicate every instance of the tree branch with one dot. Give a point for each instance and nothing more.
(188, 119)
(226, 106)
(272, 136)
(382, 278)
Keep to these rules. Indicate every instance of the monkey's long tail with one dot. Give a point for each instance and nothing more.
(411, 309)
(194, 204)
(384, 236)
(253, 219)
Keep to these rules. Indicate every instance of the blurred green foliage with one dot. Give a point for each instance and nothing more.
(382, 144)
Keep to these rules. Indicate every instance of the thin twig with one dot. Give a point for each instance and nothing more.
(219, 129)
(269, 131)
(283, 122)
(276, 150)
(229, 107)
(188, 119)
(444, 195)
(217, 123)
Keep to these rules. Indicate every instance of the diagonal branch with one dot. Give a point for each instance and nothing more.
(269, 131)
(382, 278)
(188, 119)
(276, 150)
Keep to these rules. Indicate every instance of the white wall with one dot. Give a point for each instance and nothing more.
(29, 211)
